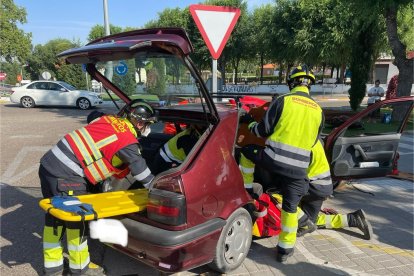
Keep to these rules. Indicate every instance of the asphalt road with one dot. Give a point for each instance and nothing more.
(26, 134)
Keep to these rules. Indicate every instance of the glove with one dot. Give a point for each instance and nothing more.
(246, 119)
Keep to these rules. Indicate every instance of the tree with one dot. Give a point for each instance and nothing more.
(399, 50)
(98, 31)
(261, 42)
(44, 58)
(15, 43)
(389, 9)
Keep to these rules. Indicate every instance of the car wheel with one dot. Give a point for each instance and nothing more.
(234, 242)
(83, 103)
(27, 102)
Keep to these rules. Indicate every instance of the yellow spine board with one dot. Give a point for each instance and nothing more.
(106, 205)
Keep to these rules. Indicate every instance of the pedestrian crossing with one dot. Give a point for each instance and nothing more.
(406, 145)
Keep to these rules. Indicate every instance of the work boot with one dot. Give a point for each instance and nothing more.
(282, 258)
(93, 270)
(358, 219)
(309, 227)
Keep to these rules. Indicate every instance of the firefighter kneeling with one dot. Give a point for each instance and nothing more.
(77, 164)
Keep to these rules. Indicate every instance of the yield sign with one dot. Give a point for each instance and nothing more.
(215, 24)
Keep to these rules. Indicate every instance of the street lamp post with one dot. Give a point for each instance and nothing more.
(108, 67)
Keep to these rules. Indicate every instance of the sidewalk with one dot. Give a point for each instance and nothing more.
(388, 204)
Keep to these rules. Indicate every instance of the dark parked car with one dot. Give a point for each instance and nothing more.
(198, 212)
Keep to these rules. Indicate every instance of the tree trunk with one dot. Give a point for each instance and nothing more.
(405, 66)
(341, 77)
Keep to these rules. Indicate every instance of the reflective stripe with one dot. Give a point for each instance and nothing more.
(165, 157)
(248, 185)
(143, 175)
(260, 214)
(289, 229)
(101, 165)
(288, 148)
(322, 182)
(91, 143)
(94, 172)
(80, 247)
(344, 221)
(50, 245)
(170, 155)
(81, 265)
(69, 163)
(328, 221)
(255, 130)
(300, 213)
(321, 175)
(106, 141)
(51, 264)
(285, 245)
(286, 160)
(84, 152)
(246, 170)
(65, 142)
(146, 185)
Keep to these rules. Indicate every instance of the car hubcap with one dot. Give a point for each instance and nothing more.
(236, 242)
(83, 104)
(27, 102)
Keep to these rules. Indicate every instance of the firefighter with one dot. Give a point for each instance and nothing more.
(173, 153)
(77, 164)
(320, 187)
(291, 125)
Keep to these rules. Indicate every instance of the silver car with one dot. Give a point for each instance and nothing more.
(57, 93)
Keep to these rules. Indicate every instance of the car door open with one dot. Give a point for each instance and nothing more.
(366, 145)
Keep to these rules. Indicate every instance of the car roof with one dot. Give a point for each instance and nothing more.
(123, 45)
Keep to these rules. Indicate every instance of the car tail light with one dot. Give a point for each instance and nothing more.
(166, 202)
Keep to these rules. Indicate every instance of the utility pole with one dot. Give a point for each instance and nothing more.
(109, 71)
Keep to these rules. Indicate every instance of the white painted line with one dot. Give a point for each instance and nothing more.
(405, 146)
(406, 153)
(11, 174)
(26, 136)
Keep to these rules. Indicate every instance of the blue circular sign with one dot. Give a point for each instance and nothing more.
(121, 69)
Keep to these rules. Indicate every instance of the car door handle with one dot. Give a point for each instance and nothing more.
(361, 151)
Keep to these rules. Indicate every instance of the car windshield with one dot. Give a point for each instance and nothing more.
(155, 77)
(67, 85)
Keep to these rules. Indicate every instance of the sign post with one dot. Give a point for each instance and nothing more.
(215, 24)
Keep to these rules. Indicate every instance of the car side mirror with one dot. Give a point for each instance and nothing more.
(63, 90)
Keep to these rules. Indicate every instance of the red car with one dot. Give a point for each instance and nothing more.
(198, 212)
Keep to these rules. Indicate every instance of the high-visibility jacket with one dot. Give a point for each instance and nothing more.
(319, 172)
(291, 125)
(171, 152)
(96, 144)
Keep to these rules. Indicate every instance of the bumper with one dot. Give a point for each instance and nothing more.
(172, 251)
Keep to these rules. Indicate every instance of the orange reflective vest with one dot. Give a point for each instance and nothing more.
(96, 144)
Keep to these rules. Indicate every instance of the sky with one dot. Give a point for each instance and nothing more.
(73, 19)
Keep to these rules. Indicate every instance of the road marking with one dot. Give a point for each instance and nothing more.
(405, 146)
(385, 249)
(26, 136)
(406, 153)
(318, 261)
(11, 174)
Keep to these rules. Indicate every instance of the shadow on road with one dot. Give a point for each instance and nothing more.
(20, 227)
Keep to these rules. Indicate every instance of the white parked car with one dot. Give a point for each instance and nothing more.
(54, 93)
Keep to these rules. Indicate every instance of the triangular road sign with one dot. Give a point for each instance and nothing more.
(215, 24)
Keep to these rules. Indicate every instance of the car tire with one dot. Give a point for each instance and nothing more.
(234, 242)
(83, 103)
(27, 102)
